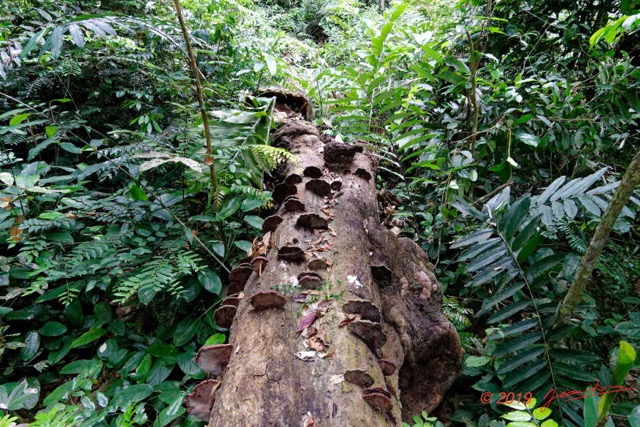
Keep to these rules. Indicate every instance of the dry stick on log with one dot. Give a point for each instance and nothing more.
(629, 182)
(208, 160)
(377, 304)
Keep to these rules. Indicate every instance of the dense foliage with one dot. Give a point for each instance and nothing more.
(503, 129)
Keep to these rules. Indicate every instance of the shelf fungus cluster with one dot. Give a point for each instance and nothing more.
(333, 318)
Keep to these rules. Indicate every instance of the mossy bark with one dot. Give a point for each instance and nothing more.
(378, 299)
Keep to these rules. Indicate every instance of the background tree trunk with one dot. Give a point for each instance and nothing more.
(326, 358)
(629, 182)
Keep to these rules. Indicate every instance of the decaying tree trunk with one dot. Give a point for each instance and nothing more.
(335, 321)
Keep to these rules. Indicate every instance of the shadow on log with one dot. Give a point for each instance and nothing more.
(361, 340)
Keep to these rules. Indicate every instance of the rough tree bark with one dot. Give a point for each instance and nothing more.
(360, 340)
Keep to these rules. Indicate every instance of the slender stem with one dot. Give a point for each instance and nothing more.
(208, 160)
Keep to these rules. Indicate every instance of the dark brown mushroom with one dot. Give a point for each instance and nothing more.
(309, 280)
(264, 300)
(293, 179)
(378, 401)
(379, 390)
(259, 263)
(224, 315)
(317, 264)
(319, 187)
(293, 204)
(312, 172)
(271, 223)
(235, 288)
(282, 190)
(338, 155)
(214, 358)
(201, 400)
(369, 332)
(359, 377)
(240, 274)
(381, 275)
(366, 309)
(312, 222)
(363, 173)
(388, 366)
(291, 254)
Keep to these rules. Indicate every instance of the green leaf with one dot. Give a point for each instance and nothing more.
(56, 41)
(52, 329)
(76, 35)
(476, 361)
(251, 203)
(185, 330)
(629, 329)
(158, 373)
(541, 413)
(88, 337)
(228, 209)
(523, 358)
(527, 138)
(624, 362)
(517, 344)
(254, 221)
(137, 193)
(243, 245)
(103, 312)
(517, 416)
(210, 280)
(90, 367)
(271, 63)
(216, 339)
(187, 363)
(67, 146)
(31, 346)
(123, 397)
(509, 311)
(17, 119)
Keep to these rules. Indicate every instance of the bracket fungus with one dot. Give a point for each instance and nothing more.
(378, 401)
(387, 366)
(317, 264)
(200, 401)
(264, 300)
(214, 358)
(338, 155)
(293, 179)
(369, 332)
(282, 190)
(224, 315)
(293, 204)
(309, 280)
(312, 172)
(259, 263)
(312, 222)
(366, 309)
(271, 223)
(235, 288)
(362, 173)
(318, 187)
(240, 274)
(291, 254)
(359, 377)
